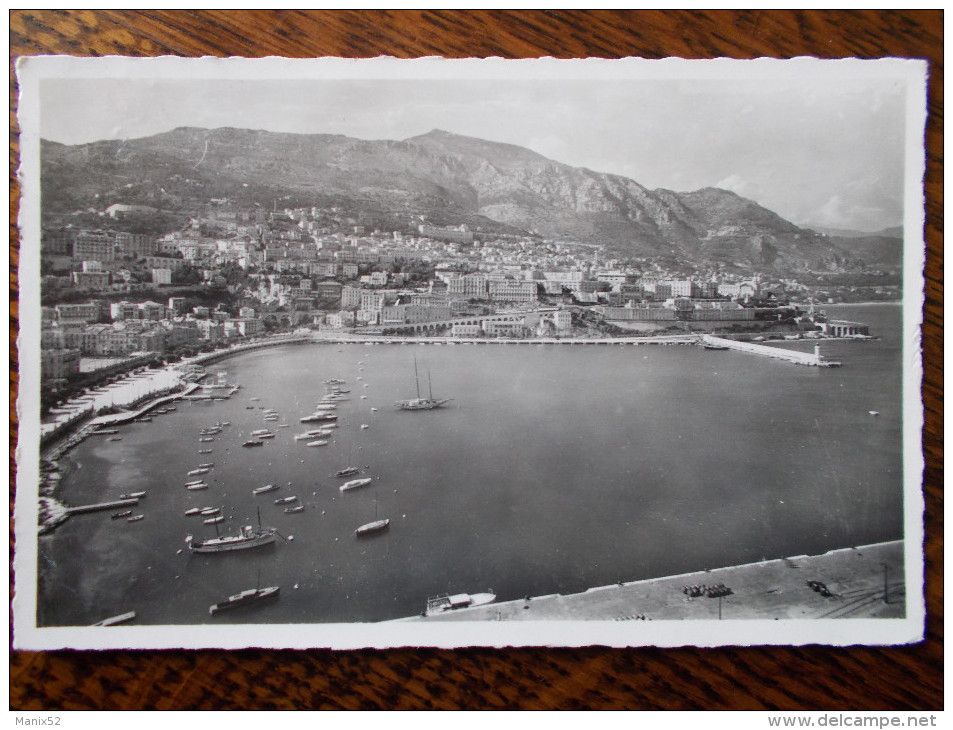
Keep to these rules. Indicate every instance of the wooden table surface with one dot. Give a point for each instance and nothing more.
(735, 678)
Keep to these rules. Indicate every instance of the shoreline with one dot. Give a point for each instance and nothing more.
(777, 589)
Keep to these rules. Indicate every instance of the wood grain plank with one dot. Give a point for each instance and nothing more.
(738, 678)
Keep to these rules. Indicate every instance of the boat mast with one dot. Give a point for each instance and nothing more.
(416, 376)
(429, 384)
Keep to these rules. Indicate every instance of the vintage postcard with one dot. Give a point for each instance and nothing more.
(377, 353)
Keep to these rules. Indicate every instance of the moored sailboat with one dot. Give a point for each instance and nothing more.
(419, 403)
(371, 527)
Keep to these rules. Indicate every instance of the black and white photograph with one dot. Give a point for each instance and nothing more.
(377, 353)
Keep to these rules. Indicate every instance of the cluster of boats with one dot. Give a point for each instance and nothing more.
(127, 514)
(254, 536)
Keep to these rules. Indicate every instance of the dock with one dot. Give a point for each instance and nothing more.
(811, 359)
(860, 582)
(102, 506)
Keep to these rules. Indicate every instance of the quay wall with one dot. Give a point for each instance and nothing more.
(861, 582)
(812, 359)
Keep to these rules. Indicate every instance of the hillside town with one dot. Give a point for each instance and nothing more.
(113, 298)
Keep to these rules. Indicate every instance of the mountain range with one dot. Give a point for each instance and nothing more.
(450, 179)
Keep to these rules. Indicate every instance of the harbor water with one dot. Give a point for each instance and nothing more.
(553, 469)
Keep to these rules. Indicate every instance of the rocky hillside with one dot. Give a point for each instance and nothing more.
(447, 178)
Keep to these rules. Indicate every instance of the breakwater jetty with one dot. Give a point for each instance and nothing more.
(858, 582)
(813, 359)
(52, 512)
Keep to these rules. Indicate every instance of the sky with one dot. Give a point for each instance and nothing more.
(818, 151)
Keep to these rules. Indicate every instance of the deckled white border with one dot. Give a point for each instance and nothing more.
(27, 635)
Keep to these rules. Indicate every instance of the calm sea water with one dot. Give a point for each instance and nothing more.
(554, 469)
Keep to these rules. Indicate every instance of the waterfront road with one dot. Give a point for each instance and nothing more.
(854, 578)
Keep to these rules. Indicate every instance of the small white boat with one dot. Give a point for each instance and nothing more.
(295, 509)
(113, 620)
(192, 511)
(214, 520)
(319, 442)
(196, 486)
(210, 511)
(355, 483)
(135, 518)
(364, 426)
(287, 500)
(372, 527)
(266, 488)
(132, 495)
(206, 466)
(206, 439)
(259, 432)
(200, 470)
(268, 435)
(205, 451)
(244, 598)
(874, 413)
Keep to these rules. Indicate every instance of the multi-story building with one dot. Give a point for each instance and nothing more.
(209, 330)
(172, 263)
(682, 288)
(57, 242)
(161, 277)
(153, 340)
(58, 364)
(504, 328)
(91, 279)
(121, 311)
(739, 290)
(152, 311)
(372, 300)
(350, 297)
(178, 334)
(460, 234)
(510, 290)
(94, 246)
(339, 320)
(77, 313)
(468, 286)
(466, 330)
(562, 320)
(413, 314)
(135, 244)
(329, 289)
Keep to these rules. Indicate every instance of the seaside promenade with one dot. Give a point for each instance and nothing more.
(862, 582)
